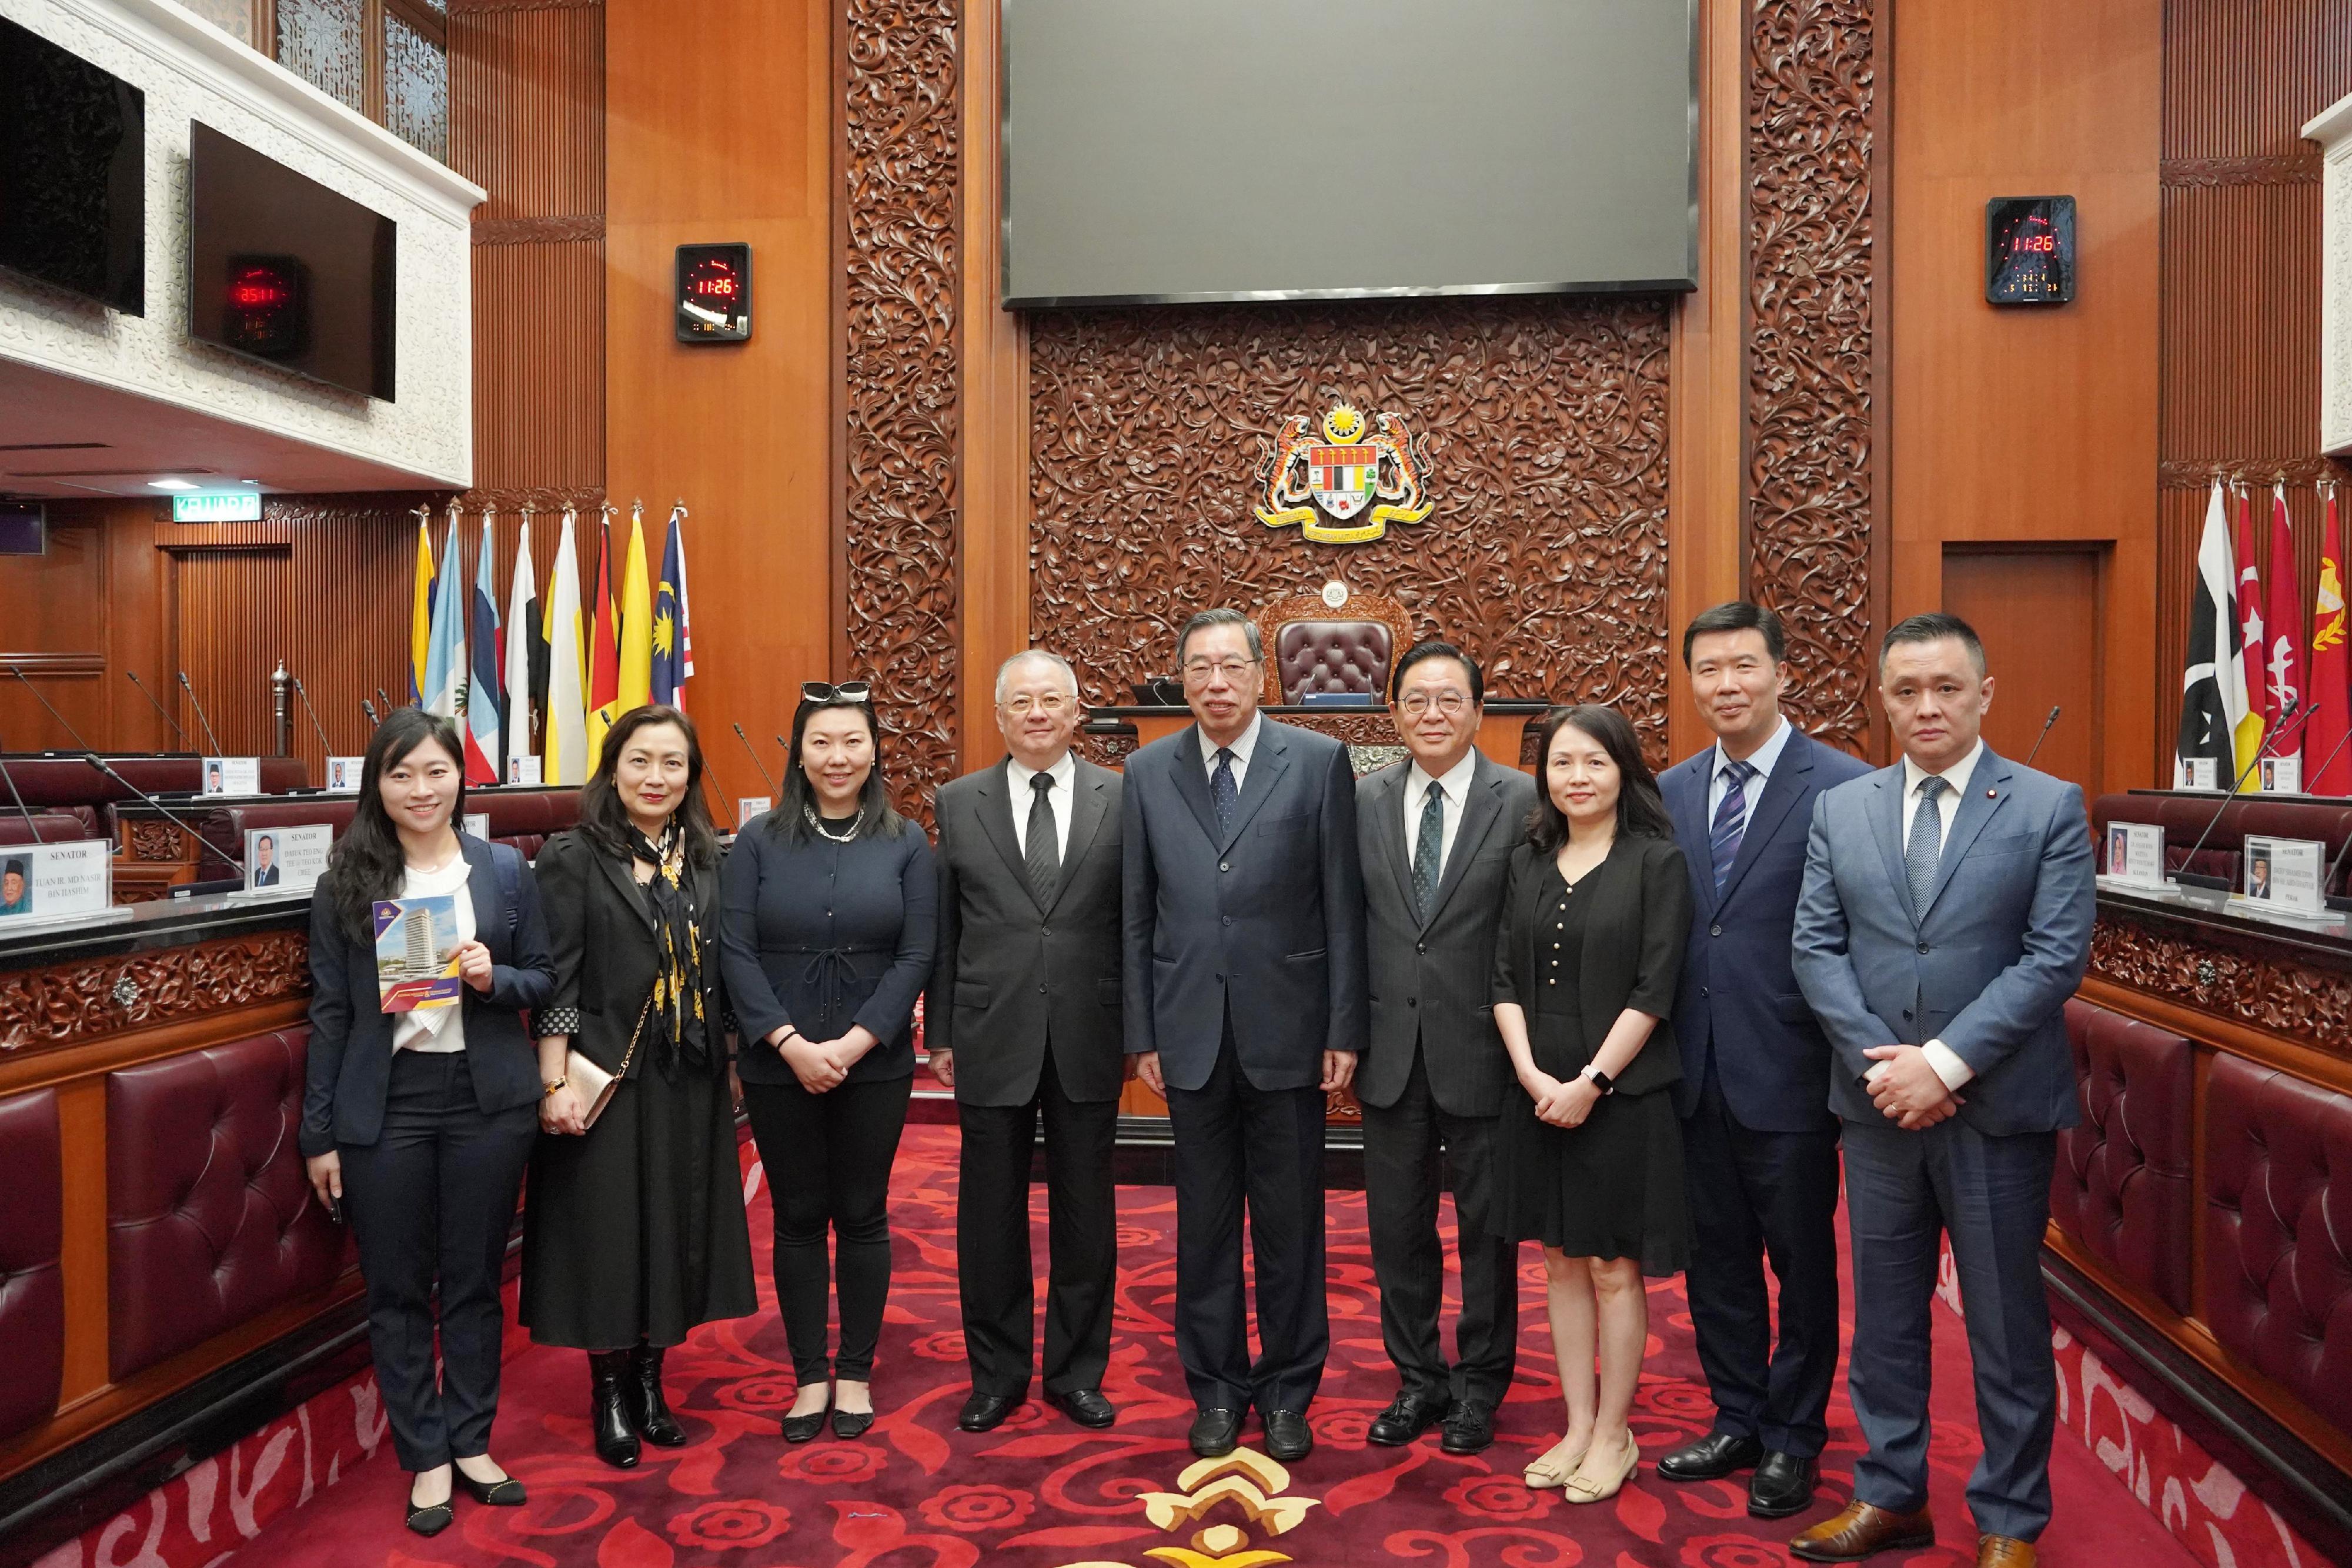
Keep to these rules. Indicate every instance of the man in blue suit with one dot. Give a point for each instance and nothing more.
(1245, 1002)
(1946, 918)
(1759, 1144)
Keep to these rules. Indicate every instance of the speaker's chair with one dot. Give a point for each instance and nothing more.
(1333, 640)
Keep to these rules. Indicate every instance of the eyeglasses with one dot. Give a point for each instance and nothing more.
(1448, 702)
(1198, 670)
(1055, 703)
(847, 692)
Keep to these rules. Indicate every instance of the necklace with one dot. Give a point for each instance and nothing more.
(818, 824)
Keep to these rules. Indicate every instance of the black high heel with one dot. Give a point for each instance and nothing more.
(649, 1410)
(608, 1415)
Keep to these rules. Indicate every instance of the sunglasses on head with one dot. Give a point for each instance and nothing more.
(847, 692)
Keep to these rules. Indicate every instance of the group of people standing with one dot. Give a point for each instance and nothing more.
(1633, 1019)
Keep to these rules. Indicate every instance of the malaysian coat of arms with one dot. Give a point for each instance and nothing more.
(1347, 487)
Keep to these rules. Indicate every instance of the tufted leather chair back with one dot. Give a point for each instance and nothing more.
(2121, 1185)
(2184, 818)
(1333, 656)
(210, 1220)
(2278, 1229)
(32, 1289)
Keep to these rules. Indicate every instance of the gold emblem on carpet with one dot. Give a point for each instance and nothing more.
(1252, 1484)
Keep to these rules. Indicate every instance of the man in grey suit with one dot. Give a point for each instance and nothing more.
(1022, 1019)
(1435, 834)
(1945, 920)
(1244, 933)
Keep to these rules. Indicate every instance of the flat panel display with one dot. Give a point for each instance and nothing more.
(73, 173)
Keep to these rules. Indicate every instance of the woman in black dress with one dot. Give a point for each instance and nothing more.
(634, 1230)
(1585, 967)
(832, 914)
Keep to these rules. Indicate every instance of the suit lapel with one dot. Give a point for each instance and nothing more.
(1480, 806)
(1983, 797)
(1887, 827)
(1388, 814)
(1088, 810)
(995, 809)
(1192, 780)
(482, 888)
(1267, 764)
(1782, 790)
(617, 871)
(1686, 792)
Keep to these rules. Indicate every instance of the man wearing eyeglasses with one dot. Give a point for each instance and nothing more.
(1022, 1020)
(1245, 971)
(1434, 834)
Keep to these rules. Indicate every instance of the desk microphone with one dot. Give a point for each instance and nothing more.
(2309, 778)
(368, 708)
(2201, 879)
(326, 747)
(159, 707)
(2042, 736)
(201, 720)
(30, 826)
(79, 743)
(234, 857)
(388, 704)
(755, 759)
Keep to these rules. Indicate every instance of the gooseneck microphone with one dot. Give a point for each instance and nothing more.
(234, 857)
(368, 708)
(2310, 778)
(191, 690)
(30, 826)
(2044, 736)
(754, 756)
(80, 744)
(2201, 879)
(159, 707)
(326, 747)
(388, 704)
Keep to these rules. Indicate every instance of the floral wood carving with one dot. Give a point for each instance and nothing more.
(1811, 85)
(80, 1000)
(157, 841)
(1545, 419)
(2310, 1006)
(904, 191)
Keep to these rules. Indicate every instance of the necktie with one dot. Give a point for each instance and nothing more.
(1926, 845)
(1730, 822)
(1429, 850)
(1041, 856)
(1223, 792)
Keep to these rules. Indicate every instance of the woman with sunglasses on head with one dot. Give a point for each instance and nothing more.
(417, 1123)
(634, 1232)
(830, 916)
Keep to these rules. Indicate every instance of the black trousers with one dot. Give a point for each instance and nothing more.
(1755, 1195)
(828, 1159)
(1234, 1140)
(432, 1201)
(993, 1263)
(1408, 1146)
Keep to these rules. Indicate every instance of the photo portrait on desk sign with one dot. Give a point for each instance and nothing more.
(1348, 488)
(285, 859)
(51, 882)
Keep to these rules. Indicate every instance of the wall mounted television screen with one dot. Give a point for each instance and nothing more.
(73, 173)
(1223, 150)
(284, 271)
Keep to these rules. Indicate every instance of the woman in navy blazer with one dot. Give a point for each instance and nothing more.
(417, 1124)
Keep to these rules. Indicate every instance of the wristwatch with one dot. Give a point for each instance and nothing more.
(547, 1089)
(1599, 1080)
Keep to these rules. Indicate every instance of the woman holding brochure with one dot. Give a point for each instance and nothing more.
(634, 1231)
(419, 1111)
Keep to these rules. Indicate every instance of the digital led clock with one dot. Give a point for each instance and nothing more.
(714, 293)
(2030, 250)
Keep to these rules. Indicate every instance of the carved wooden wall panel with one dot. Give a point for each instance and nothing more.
(903, 196)
(1546, 424)
(92, 996)
(2267, 991)
(1812, 263)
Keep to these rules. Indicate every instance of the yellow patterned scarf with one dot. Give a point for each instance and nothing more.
(674, 1021)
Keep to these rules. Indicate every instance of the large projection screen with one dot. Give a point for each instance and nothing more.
(1222, 150)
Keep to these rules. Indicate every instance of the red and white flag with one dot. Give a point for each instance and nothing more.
(2324, 744)
(2285, 713)
(2254, 647)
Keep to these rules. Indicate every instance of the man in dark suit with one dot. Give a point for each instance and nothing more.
(1245, 933)
(1759, 1145)
(1945, 920)
(1435, 834)
(1022, 1019)
(264, 861)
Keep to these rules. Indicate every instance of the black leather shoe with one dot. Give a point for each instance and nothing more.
(1783, 1485)
(1086, 1406)
(1407, 1417)
(431, 1521)
(986, 1412)
(1287, 1437)
(504, 1492)
(1469, 1429)
(649, 1412)
(1217, 1433)
(608, 1412)
(851, 1423)
(804, 1429)
(1711, 1458)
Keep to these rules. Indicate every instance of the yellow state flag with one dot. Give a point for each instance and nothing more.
(636, 686)
(420, 616)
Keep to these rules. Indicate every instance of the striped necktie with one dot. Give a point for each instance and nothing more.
(1730, 822)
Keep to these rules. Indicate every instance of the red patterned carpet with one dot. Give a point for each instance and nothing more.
(915, 1493)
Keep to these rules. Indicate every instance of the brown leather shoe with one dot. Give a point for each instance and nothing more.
(2004, 1552)
(1862, 1530)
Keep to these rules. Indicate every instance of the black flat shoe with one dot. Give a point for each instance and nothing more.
(985, 1412)
(1086, 1406)
(1407, 1417)
(804, 1429)
(504, 1492)
(1712, 1457)
(1215, 1433)
(851, 1423)
(1783, 1485)
(429, 1521)
(1287, 1438)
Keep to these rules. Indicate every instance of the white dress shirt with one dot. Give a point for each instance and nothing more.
(438, 1030)
(1065, 769)
(1241, 748)
(1941, 1057)
(1765, 757)
(1456, 782)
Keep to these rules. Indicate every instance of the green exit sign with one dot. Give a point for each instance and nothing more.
(218, 507)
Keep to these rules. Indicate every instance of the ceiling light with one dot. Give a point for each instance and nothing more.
(170, 483)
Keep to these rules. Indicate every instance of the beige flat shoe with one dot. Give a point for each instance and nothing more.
(1581, 1488)
(1551, 1469)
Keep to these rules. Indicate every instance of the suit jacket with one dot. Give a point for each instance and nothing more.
(1263, 922)
(1429, 978)
(1739, 992)
(1637, 924)
(266, 877)
(1014, 978)
(601, 930)
(1986, 967)
(350, 1067)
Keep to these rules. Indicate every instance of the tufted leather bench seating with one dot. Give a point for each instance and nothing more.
(32, 1289)
(2278, 1230)
(1333, 656)
(2184, 818)
(46, 827)
(2121, 1186)
(210, 1220)
(524, 818)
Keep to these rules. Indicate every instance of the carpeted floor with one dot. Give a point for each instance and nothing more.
(917, 1493)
